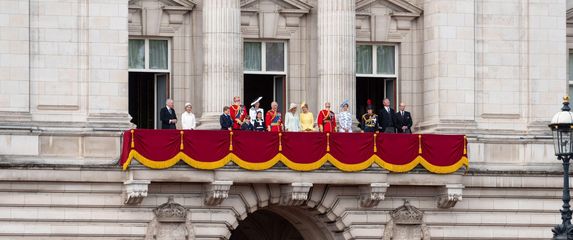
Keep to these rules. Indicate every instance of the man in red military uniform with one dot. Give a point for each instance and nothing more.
(273, 119)
(326, 120)
(238, 113)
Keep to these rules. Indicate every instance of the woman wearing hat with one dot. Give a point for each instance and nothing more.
(188, 118)
(345, 118)
(306, 118)
(291, 119)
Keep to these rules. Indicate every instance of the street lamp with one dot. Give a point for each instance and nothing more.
(562, 128)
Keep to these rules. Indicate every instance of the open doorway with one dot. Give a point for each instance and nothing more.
(375, 89)
(147, 95)
(270, 87)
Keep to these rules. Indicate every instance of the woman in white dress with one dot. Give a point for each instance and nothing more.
(345, 118)
(291, 119)
(188, 118)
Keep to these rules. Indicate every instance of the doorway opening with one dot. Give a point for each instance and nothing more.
(147, 94)
(270, 87)
(375, 89)
(267, 225)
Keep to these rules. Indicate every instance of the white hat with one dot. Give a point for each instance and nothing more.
(292, 105)
(188, 104)
(256, 101)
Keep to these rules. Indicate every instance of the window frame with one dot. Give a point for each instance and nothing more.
(569, 73)
(264, 57)
(375, 61)
(146, 55)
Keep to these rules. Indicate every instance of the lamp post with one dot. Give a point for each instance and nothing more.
(562, 129)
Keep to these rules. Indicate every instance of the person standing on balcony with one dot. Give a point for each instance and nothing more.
(326, 120)
(247, 125)
(168, 116)
(259, 123)
(403, 120)
(238, 113)
(273, 119)
(306, 118)
(255, 108)
(345, 118)
(188, 118)
(387, 118)
(369, 121)
(291, 119)
(225, 120)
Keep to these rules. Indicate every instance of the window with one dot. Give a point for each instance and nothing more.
(149, 55)
(264, 57)
(376, 60)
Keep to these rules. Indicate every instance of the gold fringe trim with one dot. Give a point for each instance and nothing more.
(133, 154)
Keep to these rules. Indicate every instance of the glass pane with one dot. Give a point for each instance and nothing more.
(158, 54)
(252, 56)
(364, 59)
(136, 53)
(385, 59)
(570, 89)
(570, 67)
(275, 57)
(390, 92)
(160, 96)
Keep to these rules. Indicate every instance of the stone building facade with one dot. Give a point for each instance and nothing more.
(76, 73)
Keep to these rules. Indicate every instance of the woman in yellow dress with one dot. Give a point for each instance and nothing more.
(306, 119)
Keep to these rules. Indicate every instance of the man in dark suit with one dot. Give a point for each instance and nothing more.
(225, 119)
(403, 120)
(387, 120)
(168, 116)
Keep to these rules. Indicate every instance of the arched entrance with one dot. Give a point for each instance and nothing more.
(280, 223)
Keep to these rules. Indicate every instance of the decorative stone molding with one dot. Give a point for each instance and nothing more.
(407, 222)
(149, 16)
(170, 212)
(217, 191)
(295, 194)
(450, 195)
(403, 20)
(407, 214)
(135, 191)
(372, 194)
(171, 222)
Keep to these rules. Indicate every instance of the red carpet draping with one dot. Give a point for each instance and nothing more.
(299, 151)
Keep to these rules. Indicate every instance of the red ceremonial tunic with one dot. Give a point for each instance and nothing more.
(236, 115)
(273, 119)
(326, 120)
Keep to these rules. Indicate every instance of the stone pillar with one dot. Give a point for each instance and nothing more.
(449, 81)
(336, 53)
(223, 63)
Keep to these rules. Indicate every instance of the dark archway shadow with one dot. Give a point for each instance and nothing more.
(280, 223)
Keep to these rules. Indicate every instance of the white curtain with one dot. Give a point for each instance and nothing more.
(158, 54)
(252, 56)
(364, 59)
(136, 53)
(385, 60)
(275, 56)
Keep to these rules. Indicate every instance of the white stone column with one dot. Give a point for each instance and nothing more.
(223, 62)
(336, 53)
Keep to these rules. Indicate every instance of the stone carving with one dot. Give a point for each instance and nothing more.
(295, 194)
(450, 195)
(217, 191)
(406, 224)
(135, 191)
(372, 194)
(170, 212)
(171, 222)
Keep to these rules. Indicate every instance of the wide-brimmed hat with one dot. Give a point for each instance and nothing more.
(292, 105)
(256, 101)
(345, 102)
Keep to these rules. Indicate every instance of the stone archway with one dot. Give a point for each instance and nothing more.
(280, 223)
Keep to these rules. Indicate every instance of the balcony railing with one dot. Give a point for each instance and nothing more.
(299, 151)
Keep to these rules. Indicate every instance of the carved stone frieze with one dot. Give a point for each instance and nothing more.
(372, 194)
(217, 191)
(135, 191)
(295, 194)
(450, 195)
